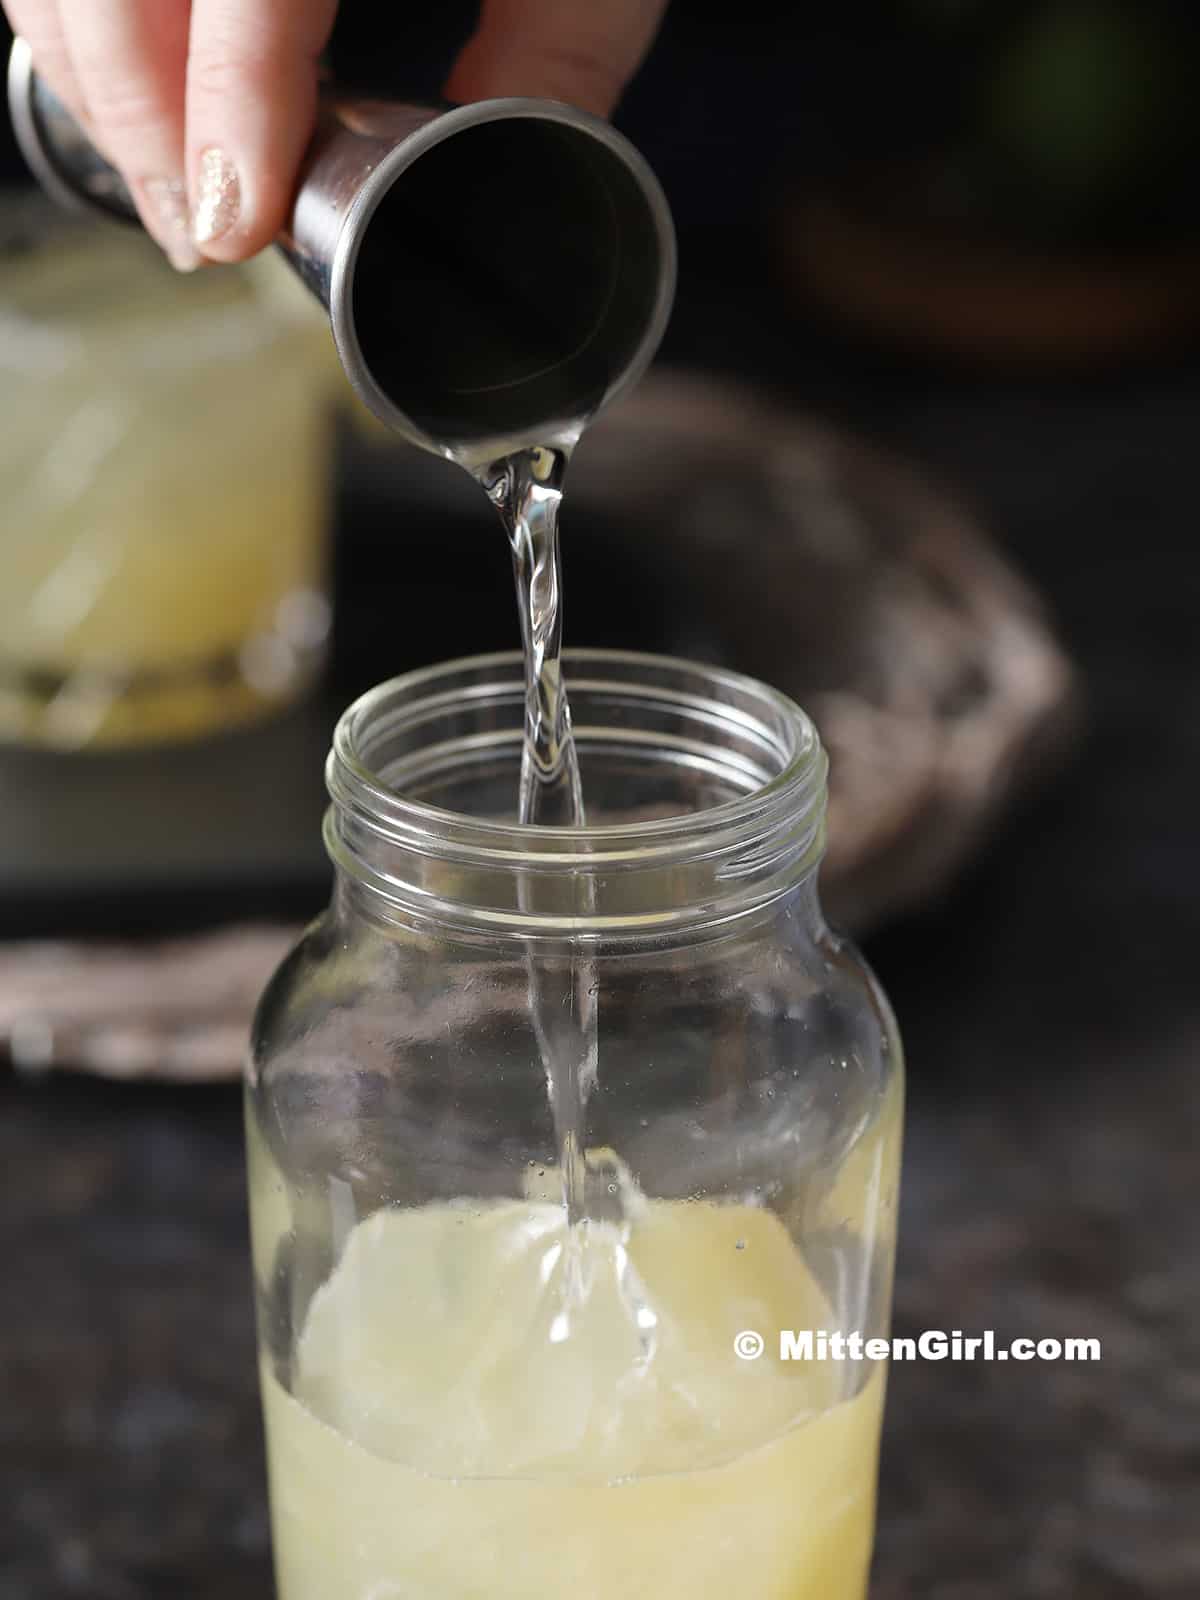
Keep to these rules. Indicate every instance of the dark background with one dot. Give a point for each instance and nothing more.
(1050, 1001)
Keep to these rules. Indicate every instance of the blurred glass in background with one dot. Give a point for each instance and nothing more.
(164, 472)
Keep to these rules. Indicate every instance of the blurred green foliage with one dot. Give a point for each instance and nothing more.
(1071, 118)
(1087, 98)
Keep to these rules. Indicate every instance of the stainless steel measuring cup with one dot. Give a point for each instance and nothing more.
(493, 274)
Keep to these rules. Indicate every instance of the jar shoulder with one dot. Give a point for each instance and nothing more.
(299, 991)
(851, 981)
(793, 992)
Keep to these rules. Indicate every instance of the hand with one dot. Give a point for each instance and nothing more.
(206, 106)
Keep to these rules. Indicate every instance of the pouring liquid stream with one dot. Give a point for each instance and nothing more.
(526, 488)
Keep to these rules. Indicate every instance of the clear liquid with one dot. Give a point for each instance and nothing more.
(526, 489)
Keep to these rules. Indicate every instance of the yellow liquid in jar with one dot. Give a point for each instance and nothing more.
(488, 1404)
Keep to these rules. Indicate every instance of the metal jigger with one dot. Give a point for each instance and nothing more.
(493, 274)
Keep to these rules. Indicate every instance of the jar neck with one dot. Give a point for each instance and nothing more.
(355, 903)
(424, 771)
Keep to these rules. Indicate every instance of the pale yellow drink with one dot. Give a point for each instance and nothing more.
(164, 467)
(485, 1405)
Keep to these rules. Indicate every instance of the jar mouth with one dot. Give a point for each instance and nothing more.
(688, 770)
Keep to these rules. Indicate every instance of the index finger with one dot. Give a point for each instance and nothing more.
(251, 102)
(128, 57)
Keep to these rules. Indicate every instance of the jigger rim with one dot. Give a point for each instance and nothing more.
(410, 150)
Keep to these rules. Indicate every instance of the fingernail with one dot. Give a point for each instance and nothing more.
(166, 200)
(218, 199)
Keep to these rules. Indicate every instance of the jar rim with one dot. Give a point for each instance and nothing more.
(750, 846)
(797, 775)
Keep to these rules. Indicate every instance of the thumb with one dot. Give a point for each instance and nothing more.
(581, 51)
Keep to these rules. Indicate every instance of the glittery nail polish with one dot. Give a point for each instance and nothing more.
(219, 197)
(166, 201)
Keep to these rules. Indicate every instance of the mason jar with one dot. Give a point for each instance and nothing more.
(572, 1153)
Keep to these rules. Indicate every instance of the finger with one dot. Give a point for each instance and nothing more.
(581, 51)
(38, 23)
(251, 101)
(129, 58)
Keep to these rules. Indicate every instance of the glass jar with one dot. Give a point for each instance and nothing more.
(165, 456)
(465, 1394)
